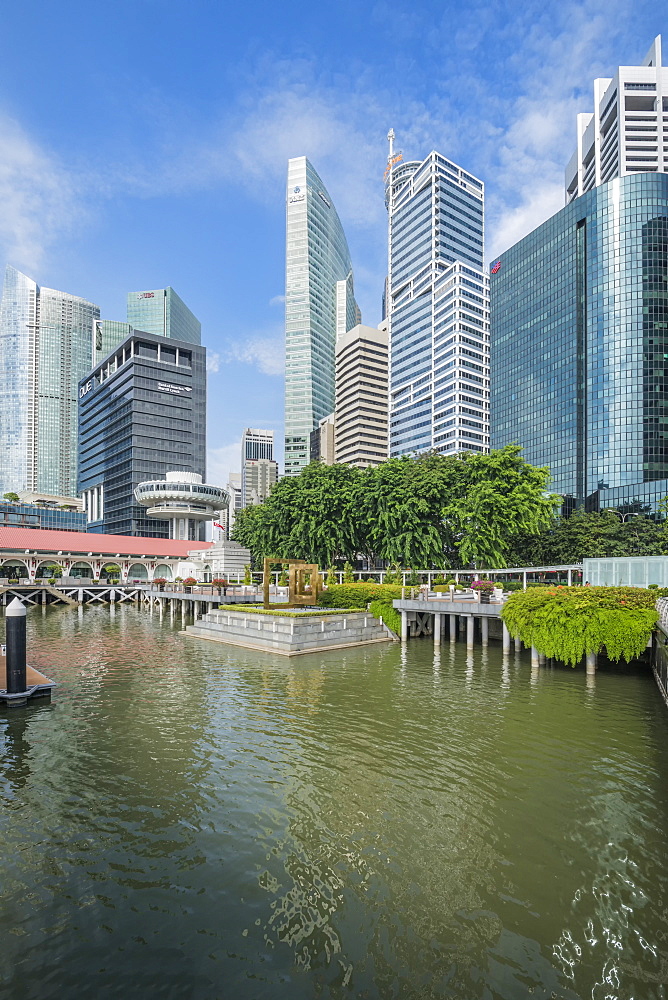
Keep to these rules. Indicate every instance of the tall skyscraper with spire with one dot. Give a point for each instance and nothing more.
(437, 307)
(46, 348)
(319, 300)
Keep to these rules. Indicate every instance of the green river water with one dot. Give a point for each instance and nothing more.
(191, 820)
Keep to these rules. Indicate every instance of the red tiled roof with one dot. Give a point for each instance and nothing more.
(45, 540)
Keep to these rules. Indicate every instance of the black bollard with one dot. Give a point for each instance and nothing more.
(15, 631)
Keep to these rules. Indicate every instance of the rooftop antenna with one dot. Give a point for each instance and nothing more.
(392, 158)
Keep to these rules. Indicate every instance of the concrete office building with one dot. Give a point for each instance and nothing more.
(259, 471)
(318, 297)
(323, 441)
(626, 133)
(142, 414)
(360, 415)
(235, 494)
(437, 307)
(45, 349)
(164, 314)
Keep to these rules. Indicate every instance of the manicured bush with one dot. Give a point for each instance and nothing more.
(357, 595)
(438, 581)
(384, 610)
(568, 622)
(483, 586)
(348, 574)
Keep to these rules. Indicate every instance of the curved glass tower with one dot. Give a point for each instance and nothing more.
(580, 345)
(317, 259)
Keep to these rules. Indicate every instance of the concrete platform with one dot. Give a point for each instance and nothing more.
(288, 636)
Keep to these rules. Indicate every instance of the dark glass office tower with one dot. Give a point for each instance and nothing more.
(579, 345)
(142, 413)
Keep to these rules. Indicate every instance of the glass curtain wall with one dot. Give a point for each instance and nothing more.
(317, 257)
(580, 342)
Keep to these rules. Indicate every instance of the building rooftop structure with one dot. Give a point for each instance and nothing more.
(43, 540)
(625, 133)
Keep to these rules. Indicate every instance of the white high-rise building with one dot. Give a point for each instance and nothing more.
(360, 417)
(627, 131)
(259, 471)
(437, 307)
(318, 299)
(46, 348)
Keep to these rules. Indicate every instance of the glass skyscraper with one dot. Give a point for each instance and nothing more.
(161, 312)
(46, 347)
(580, 344)
(437, 307)
(317, 260)
(142, 414)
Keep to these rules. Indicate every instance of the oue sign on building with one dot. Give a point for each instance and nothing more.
(86, 388)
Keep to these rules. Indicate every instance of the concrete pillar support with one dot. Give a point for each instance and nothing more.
(484, 622)
(470, 622)
(453, 628)
(404, 626)
(437, 629)
(506, 639)
(591, 663)
(518, 644)
(534, 656)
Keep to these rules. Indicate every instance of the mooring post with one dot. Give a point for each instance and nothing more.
(506, 639)
(437, 629)
(15, 629)
(470, 622)
(484, 622)
(591, 660)
(404, 626)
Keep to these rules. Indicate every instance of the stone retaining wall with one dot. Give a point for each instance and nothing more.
(290, 636)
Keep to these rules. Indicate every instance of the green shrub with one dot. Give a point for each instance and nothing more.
(348, 574)
(384, 610)
(284, 610)
(393, 574)
(412, 580)
(438, 581)
(568, 622)
(331, 576)
(357, 595)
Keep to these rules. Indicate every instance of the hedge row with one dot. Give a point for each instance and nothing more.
(281, 611)
(358, 595)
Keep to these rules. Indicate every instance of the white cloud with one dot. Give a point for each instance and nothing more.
(277, 300)
(39, 198)
(267, 353)
(212, 361)
(221, 461)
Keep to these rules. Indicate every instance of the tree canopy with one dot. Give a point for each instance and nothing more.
(458, 509)
(591, 535)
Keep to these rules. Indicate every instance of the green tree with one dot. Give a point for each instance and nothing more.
(311, 516)
(12, 497)
(504, 498)
(591, 535)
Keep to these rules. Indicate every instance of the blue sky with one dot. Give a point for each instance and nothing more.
(144, 143)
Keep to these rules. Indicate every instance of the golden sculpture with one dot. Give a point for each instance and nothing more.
(303, 581)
